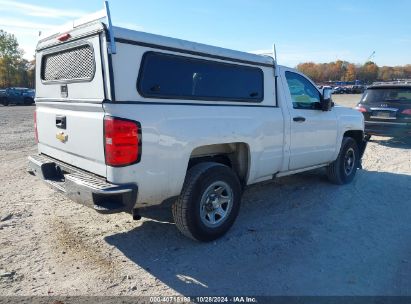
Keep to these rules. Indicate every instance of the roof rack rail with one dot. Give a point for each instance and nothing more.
(399, 81)
(112, 48)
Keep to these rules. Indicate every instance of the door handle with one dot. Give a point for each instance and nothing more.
(299, 119)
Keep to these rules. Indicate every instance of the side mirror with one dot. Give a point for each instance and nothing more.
(326, 101)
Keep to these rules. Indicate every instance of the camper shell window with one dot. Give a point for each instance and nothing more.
(181, 77)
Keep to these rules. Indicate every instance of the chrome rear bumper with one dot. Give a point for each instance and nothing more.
(84, 187)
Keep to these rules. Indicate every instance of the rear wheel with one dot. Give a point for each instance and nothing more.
(343, 169)
(209, 202)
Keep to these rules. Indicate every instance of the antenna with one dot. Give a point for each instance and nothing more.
(112, 48)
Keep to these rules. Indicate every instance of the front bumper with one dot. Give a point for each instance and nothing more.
(382, 128)
(84, 187)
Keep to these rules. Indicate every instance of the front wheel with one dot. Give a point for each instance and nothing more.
(343, 169)
(209, 202)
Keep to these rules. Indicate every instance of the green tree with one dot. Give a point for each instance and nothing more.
(13, 68)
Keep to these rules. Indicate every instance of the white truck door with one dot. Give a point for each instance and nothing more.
(313, 135)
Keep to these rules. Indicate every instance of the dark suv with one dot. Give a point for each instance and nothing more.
(23, 96)
(387, 109)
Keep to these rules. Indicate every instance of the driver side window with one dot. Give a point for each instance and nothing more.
(303, 94)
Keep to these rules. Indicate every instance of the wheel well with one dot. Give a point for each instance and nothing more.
(358, 136)
(233, 155)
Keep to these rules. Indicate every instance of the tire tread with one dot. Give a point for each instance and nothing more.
(180, 207)
(334, 169)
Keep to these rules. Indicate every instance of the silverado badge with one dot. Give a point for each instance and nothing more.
(62, 137)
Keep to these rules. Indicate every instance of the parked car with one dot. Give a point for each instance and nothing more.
(2, 95)
(339, 90)
(387, 109)
(29, 93)
(321, 87)
(202, 123)
(18, 96)
(357, 89)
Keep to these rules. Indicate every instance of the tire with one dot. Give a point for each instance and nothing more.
(343, 169)
(5, 102)
(28, 101)
(211, 191)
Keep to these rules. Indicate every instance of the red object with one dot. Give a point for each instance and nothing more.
(121, 141)
(361, 109)
(36, 134)
(64, 37)
(406, 112)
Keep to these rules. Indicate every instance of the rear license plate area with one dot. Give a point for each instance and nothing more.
(383, 115)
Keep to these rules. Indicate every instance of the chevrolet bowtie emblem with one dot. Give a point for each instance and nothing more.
(62, 137)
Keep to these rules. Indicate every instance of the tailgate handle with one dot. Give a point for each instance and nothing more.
(61, 122)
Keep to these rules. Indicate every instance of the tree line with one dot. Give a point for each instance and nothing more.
(15, 71)
(345, 71)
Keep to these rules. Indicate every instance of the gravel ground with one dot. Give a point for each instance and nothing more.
(297, 235)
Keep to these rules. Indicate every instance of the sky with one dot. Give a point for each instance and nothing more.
(303, 31)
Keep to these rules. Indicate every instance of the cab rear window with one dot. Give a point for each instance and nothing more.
(180, 77)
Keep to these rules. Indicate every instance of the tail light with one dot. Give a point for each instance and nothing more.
(406, 112)
(36, 134)
(122, 141)
(361, 109)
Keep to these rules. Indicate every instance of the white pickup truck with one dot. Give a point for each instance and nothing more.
(126, 119)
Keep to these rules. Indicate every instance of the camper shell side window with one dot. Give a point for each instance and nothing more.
(168, 76)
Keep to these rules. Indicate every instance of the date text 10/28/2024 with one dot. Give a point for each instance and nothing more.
(205, 299)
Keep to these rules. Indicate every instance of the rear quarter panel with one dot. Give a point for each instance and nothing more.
(171, 132)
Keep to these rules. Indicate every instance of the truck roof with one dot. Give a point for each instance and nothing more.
(147, 39)
(93, 23)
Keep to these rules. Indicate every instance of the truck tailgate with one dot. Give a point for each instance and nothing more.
(79, 142)
(70, 90)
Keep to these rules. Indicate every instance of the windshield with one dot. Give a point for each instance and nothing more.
(375, 95)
